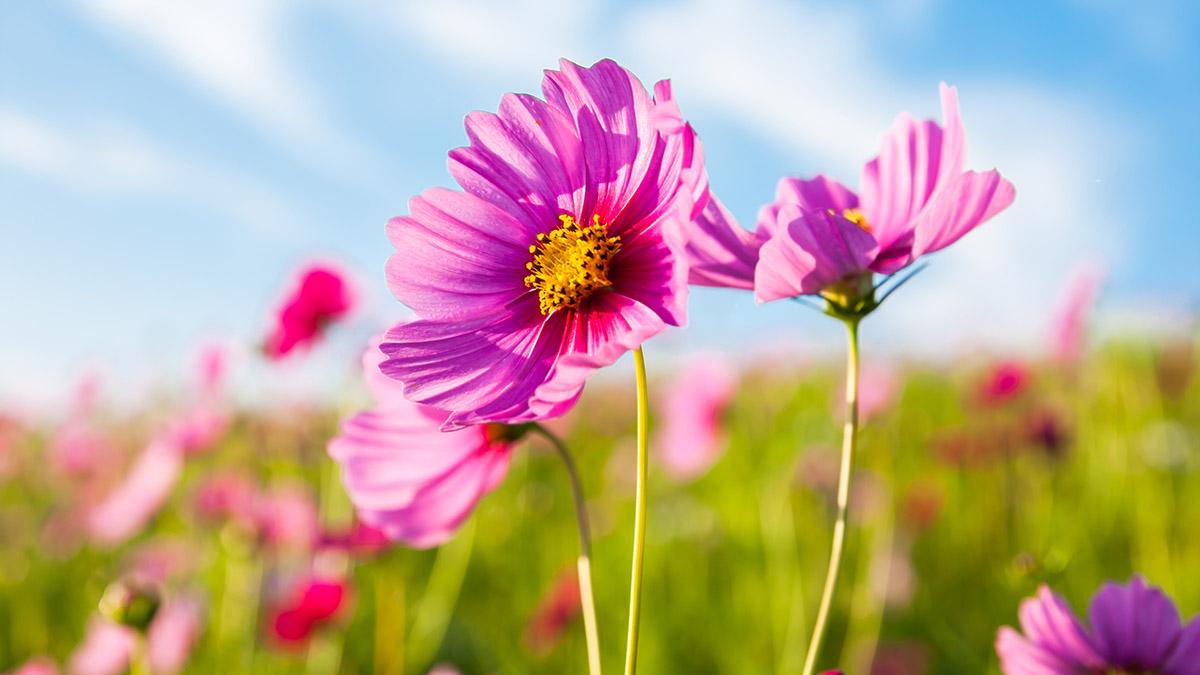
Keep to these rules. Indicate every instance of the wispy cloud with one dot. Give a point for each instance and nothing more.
(234, 49)
(112, 158)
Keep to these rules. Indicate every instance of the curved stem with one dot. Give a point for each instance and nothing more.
(639, 515)
(584, 566)
(849, 438)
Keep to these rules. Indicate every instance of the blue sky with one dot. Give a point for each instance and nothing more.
(163, 165)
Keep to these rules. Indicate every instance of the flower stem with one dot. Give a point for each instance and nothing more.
(849, 438)
(639, 516)
(585, 550)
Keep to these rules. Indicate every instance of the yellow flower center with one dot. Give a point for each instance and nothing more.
(570, 263)
(855, 216)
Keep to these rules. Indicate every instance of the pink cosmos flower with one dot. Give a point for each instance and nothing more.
(916, 199)
(551, 262)
(321, 295)
(1005, 382)
(1068, 324)
(173, 635)
(286, 517)
(1135, 628)
(312, 603)
(692, 406)
(226, 496)
(146, 487)
(877, 387)
(405, 476)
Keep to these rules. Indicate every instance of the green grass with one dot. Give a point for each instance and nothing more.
(939, 556)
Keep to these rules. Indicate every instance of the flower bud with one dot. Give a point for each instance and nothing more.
(130, 603)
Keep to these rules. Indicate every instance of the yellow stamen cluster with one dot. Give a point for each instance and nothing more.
(856, 216)
(570, 263)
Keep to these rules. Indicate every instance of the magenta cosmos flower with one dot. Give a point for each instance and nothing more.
(405, 476)
(320, 295)
(1135, 628)
(551, 262)
(915, 199)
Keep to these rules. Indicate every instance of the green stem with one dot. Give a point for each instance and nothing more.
(639, 516)
(849, 438)
(584, 566)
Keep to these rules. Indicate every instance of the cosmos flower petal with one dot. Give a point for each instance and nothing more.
(1048, 621)
(614, 324)
(811, 251)
(649, 272)
(404, 475)
(917, 160)
(1134, 624)
(612, 111)
(527, 159)
(821, 193)
(1021, 656)
(442, 506)
(456, 255)
(719, 252)
(968, 201)
(486, 369)
(1185, 655)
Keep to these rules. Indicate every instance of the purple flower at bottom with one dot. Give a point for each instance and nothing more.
(1135, 628)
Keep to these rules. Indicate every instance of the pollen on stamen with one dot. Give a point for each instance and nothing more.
(570, 263)
(856, 216)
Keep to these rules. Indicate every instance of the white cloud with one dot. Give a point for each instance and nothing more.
(234, 49)
(113, 159)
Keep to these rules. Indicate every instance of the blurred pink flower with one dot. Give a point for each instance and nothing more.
(552, 262)
(207, 419)
(225, 496)
(79, 449)
(41, 665)
(320, 296)
(877, 387)
(174, 634)
(405, 476)
(145, 488)
(311, 603)
(1004, 382)
(361, 540)
(286, 517)
(105, 650)
(444, 669)
(692, 405)
(1068, 324)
